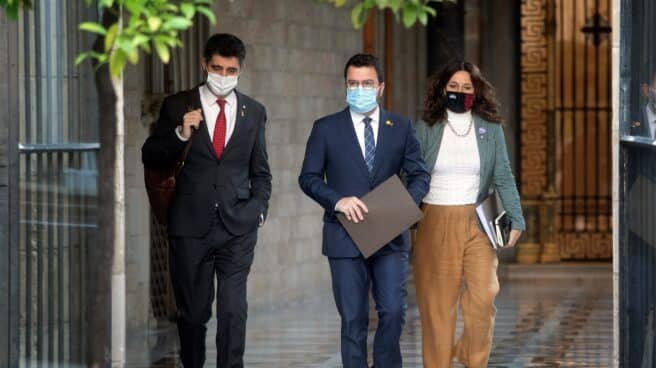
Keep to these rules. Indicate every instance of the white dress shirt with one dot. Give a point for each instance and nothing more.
(650, 115)
(211, 111)
(358, 124)
(455, 179)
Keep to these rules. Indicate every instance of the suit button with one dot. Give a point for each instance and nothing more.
(214, 186)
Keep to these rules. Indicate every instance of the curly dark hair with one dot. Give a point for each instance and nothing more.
(485, 102)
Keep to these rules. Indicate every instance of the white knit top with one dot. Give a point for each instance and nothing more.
(455, 179)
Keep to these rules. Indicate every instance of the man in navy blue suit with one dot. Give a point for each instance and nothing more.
(348, 154)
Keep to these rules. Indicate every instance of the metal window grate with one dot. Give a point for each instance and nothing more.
(57, 169)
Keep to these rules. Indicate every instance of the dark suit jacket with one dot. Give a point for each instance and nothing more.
(640, 125)
(239, 183)
(334, 168)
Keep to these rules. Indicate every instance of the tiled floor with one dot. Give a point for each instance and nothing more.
(548, 316)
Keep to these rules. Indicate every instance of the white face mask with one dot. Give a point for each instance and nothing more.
(220, 85)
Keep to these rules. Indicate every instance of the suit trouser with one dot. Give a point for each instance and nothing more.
(352, 277)
(195, 262)
(453, 259)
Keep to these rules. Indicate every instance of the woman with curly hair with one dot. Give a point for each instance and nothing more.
(463, 145)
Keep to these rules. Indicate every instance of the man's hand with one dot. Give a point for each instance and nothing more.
(513, 238)
(191, 121)
(353, 208)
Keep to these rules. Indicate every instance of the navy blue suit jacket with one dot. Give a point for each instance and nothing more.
(334, 168)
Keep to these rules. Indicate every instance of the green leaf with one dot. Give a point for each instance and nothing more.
(356, 15)
(134, 22)
(409, 16)
(125, 43)
(12, 11)
(162, 51)
(134, 56)
(188, 10)
(140, 39)
(178, 23)
(169, 7)
(423, 17)
(146, 47)
(93, 27)
(106, 3)
(154, 23)
(340, 3)
(135, 7)
(168, 40)
(208, 13)
(110, 36)
(83, 56)
(117, 63)
(396, 5)
(102, 58)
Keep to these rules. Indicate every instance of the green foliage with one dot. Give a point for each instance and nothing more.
(12, 7)
(140, 25)
(407, 11)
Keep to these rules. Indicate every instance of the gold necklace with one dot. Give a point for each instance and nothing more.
(471, 124)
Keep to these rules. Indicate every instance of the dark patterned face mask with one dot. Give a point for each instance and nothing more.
(459, 102)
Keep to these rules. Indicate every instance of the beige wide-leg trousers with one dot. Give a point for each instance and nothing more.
(453, 261)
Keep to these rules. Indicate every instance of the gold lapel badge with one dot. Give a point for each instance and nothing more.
(388, 122)
(243, 110)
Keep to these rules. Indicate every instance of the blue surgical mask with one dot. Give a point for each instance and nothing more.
(362, 100)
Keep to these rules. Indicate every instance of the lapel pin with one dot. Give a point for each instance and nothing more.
(482, 131)
(389, 123)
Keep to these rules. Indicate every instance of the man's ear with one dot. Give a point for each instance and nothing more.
(381, 89)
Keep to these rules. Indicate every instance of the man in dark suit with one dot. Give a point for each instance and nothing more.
(348, 154)
(221, 197)
(645, 123)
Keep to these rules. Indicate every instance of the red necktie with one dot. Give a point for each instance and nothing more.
(218, 140)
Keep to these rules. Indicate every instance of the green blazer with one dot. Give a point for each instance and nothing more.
(495, 166)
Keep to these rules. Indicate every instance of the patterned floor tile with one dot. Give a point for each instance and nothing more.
(555, 319)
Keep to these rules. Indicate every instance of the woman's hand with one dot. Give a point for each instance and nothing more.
(513, 238)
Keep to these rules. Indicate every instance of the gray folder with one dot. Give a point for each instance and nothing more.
(391, 212)
(490, 212)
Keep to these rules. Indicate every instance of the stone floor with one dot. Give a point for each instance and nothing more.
(548, 316)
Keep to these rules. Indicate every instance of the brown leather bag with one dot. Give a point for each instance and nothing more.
(160, 185)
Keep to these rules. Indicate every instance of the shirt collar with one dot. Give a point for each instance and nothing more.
(210, 98)
(358, 117)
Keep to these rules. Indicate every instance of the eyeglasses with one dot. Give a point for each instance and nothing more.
(367, 84)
